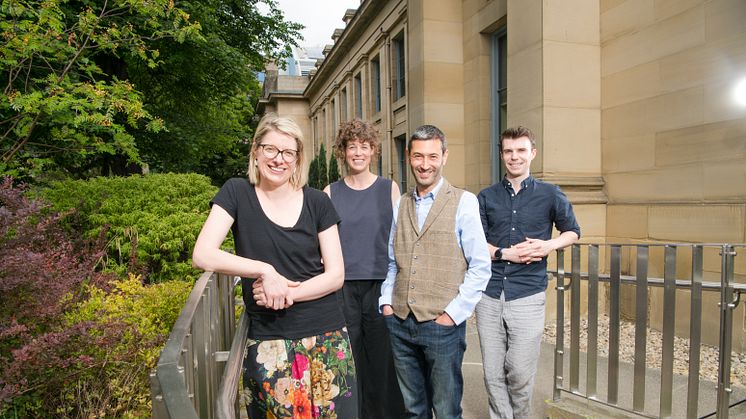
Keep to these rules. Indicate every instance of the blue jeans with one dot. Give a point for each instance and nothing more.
(428, 358)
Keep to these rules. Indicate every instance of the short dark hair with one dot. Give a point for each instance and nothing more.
(517, 132)
(428, 132)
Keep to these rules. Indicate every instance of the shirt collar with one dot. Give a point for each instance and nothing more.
(525, 184)
(430, 194)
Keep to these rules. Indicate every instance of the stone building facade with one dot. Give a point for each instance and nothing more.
(630, 100)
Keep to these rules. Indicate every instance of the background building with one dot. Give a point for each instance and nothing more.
(631, 101)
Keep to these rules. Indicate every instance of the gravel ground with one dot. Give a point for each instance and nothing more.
(708, 369)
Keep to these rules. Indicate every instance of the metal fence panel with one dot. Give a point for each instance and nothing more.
(592, 357)
(614, 294)
(695, 332)
(641, 328)
(669, 324)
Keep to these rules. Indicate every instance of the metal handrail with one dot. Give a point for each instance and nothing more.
(185, 381)
(227, 402)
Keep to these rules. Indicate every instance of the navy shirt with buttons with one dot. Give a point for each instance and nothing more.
(510, 218)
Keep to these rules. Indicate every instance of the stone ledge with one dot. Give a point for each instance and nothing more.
(574, 407)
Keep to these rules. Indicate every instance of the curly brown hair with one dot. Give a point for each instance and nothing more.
(356, 129)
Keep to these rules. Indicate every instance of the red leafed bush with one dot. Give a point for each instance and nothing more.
(43, 269)
(41, 263)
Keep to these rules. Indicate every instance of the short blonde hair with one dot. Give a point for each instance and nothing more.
(282, 125)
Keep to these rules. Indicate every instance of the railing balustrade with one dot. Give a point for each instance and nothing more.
(185, 383)
(614, 275)
(197, 376)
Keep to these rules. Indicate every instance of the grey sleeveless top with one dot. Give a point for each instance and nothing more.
(364, 229)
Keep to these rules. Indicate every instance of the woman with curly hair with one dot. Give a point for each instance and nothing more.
(365, 202)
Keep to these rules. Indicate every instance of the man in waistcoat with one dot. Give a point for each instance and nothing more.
(438, 267)
(518, 214)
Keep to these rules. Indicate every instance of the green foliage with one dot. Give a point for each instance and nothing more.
(206, 89)
(98, 361)
(98, 88)
(153, 219)
(333, 169)
(313, 173)
(118, 384)
(147, 311)
(73, 342)
(60, 107)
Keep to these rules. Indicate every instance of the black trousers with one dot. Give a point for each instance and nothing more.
(378, 387)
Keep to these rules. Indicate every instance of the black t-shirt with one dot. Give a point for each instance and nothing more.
(293, 251)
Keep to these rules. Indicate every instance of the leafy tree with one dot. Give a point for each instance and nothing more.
(99, 88)
(313, 172)
(59, 107)
(333, 169)
(323, 174)
(206, 89)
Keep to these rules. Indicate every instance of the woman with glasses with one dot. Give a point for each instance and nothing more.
(364, 201)
(298, 359)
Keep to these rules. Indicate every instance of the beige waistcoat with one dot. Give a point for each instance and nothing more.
(431, 265)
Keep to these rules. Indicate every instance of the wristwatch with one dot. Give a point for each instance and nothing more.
(498, 254)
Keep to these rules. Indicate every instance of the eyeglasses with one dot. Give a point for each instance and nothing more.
(270, 152)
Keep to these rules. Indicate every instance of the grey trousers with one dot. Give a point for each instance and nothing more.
(510, 336)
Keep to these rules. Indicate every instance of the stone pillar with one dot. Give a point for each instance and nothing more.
(436, 75)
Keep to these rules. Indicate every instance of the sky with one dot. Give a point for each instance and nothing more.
(320, 17)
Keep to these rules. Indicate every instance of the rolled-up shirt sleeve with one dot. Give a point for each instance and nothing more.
(474, 245)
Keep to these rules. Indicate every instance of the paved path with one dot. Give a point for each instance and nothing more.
(474, 402)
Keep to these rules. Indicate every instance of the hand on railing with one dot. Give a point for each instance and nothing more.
(263, 288)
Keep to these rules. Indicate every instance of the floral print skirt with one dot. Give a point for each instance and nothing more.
(313, 377)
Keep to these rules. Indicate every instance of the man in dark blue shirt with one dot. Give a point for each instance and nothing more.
(517, 215)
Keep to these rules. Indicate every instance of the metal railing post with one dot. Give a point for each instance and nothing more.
(614, 301)
(227, 404)
(575, 320)
(592, 356)
(669, 330)
(559, 347)
(695, 332)
(641, 328)
(726, 328)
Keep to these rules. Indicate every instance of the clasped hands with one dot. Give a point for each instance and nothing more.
(274, 291)
(530, 250)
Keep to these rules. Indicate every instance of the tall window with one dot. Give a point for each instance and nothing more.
(343, 105)
(324, 134)
(499, 98)
(401, 157)
(375, 81)
(315, 131)
(334, 119)
(399, 66)
(358, 95)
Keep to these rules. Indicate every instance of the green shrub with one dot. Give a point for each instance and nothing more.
(153, 219)
(118, 383)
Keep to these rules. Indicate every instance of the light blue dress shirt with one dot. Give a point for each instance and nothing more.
(472, 241)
